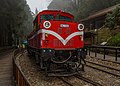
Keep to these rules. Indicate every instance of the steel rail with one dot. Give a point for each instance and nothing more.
(103, 66)
(103, 70)
(65, 81)
(105, 60)
(88, 80)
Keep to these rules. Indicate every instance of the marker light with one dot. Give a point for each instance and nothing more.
(44, 50)
(47, 24)
(80, 27)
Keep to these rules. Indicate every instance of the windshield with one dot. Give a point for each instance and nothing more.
(65, 18)
(46, 17)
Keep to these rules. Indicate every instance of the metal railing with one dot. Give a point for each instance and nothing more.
(19, 77)
(105, 50)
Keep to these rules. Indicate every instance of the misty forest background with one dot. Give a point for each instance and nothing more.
(15, 21)
(16, 17)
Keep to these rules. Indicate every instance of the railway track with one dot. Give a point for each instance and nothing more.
(103, 69)
(77, 80)
(88, 80)
(65, 81)
(81, 78)
(105, 60)
(103, 66)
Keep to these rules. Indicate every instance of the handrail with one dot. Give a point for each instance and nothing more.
(19, 77)
(104, 49)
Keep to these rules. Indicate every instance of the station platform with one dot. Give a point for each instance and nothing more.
(6, 76)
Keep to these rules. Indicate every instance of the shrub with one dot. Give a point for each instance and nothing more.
(113, 19)
(114, 41)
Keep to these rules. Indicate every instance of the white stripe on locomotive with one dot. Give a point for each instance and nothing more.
(58, 36)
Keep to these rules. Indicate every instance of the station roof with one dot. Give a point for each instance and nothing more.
(100, 13)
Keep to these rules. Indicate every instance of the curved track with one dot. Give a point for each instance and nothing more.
(85, 79)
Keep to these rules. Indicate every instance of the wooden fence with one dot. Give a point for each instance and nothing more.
(19, 77)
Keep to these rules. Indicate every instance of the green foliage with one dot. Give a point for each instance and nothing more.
(113, 19)
(15, 21)
(96, 5)
(82, 8)
(110, 21)
(114, 41)
(113, 22)
(104, 34)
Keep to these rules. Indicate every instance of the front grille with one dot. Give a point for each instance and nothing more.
(67, 30)
(60, 30)
(55, 43)
(58, 43)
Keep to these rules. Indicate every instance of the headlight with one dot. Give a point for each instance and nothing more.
(80, 27)
(47, 24)
(44, 50)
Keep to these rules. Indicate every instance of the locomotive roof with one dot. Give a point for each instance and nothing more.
(55, 11)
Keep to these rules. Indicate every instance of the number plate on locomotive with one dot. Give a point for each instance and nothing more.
(64, 25)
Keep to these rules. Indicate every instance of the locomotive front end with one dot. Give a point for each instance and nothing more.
(62, 45)
(57, 43)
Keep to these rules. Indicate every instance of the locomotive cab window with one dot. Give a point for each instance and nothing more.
(46, 17)
(65, 18)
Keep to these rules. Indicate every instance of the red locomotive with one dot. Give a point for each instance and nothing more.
(57, 43)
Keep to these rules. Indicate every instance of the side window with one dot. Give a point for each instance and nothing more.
(35, 25)
(41, 18)
(57, 16)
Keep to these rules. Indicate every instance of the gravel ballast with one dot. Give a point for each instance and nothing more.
(38, 78)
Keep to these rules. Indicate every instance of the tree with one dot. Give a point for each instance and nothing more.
(15, 17)
(83, 8)
(113, 19)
